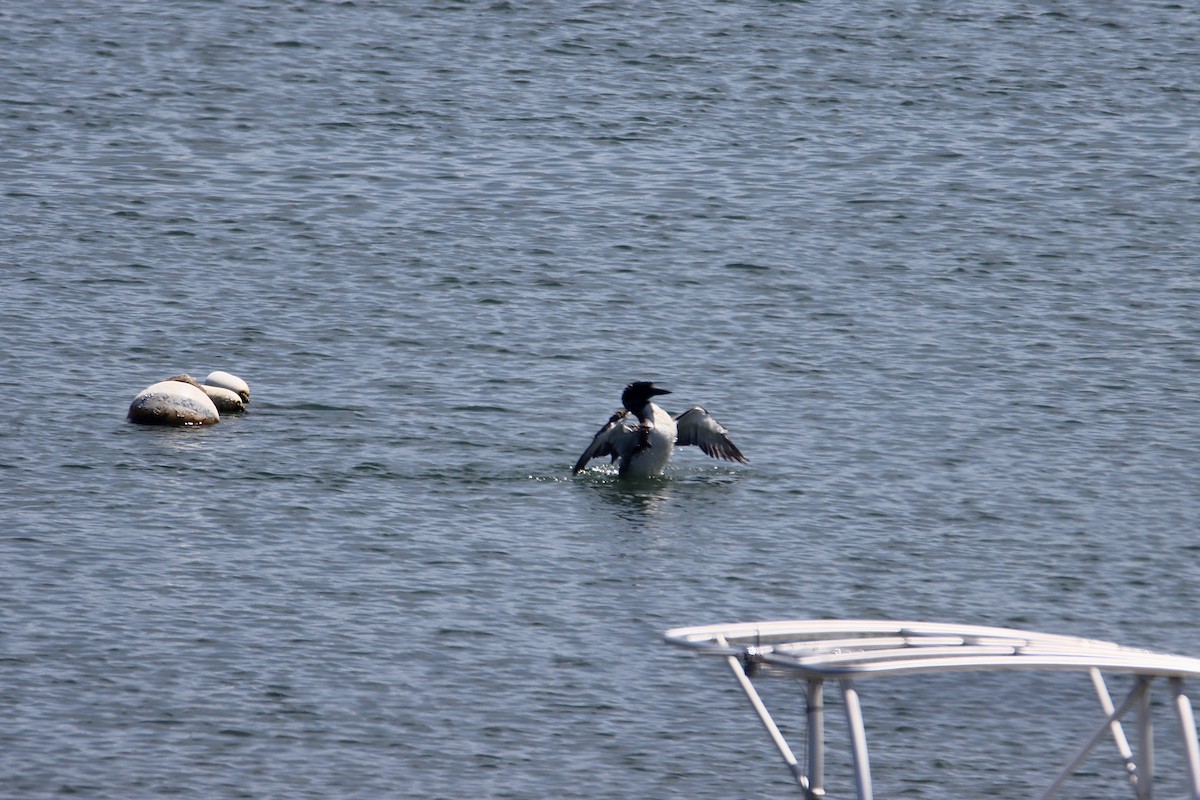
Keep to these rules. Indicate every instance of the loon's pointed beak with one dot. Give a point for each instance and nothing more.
(657, 390)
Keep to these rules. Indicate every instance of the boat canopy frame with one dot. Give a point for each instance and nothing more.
(847, 651)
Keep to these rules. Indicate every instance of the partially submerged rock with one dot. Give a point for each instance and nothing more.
(175, 401)
(225, 380)
(227, 401)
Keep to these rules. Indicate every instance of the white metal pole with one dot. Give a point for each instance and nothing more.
(858, 740)
(1140, 689)
(1187, 730)
(735, 664)
(816, 738)
(1145, 743)
(1118, 732)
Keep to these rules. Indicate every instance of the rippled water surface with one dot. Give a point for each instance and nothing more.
(933, 265)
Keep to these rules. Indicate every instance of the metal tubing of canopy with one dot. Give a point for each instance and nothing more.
(1145, 743)
(1118, 732)
(1187, 730)
(818, 651)
(816, 738)
(735, 664)
(1140, 690)
(858, 740)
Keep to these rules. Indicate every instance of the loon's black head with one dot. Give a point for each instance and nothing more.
(636, 395)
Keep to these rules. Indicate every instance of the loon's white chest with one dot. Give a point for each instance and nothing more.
(653, 459)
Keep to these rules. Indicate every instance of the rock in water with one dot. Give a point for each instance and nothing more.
(173, 402)
(231, 382)
(227, 401)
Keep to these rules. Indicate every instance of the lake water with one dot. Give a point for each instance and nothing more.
(934, 265)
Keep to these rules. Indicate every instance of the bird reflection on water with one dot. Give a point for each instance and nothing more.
(640, 500)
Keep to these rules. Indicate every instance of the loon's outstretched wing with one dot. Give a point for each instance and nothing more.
(695, 426)
(618, 436)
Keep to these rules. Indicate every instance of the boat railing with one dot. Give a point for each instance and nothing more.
(847, 651)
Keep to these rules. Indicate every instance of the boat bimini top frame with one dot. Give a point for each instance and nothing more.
(848, 650)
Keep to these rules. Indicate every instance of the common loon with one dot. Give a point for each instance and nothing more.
(642, 445)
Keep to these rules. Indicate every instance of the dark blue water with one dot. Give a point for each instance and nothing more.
(934, 266)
